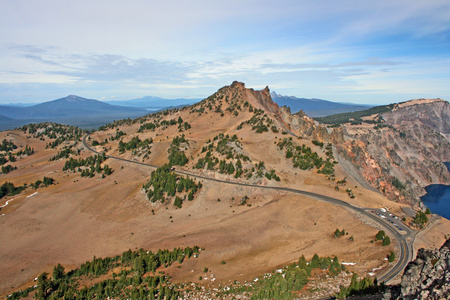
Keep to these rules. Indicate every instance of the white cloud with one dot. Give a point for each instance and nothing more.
(306, 48)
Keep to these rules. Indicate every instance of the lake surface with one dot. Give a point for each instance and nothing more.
(437, 198)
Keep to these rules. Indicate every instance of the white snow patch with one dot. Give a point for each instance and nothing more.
(375, 269)
(7, 202)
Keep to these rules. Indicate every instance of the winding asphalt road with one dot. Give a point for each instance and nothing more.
(405, 240)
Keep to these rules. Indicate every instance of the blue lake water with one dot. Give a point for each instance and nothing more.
(437, 198)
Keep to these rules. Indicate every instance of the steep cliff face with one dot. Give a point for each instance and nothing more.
(402, 151)
(433, 113)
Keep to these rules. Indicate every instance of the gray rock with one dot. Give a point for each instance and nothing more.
(428, 276)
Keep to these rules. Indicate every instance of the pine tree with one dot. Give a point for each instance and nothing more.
(386, 241)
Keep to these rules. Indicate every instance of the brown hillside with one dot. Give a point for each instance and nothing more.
(237, 135)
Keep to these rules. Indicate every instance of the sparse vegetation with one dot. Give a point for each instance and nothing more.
(398, 185)
(134, 143)
(284, 283)
(260, 122)
(338, 233)
(65, 153)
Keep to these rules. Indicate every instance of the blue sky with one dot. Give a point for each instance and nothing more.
(347, 51)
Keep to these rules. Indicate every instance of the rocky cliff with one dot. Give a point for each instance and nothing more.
(398, 152)
(401, 151)
(428, 276)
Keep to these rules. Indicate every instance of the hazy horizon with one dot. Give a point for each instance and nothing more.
(347, 51)
(169, 99)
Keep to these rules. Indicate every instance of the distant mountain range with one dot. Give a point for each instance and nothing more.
(90, 114)
(315, 107)
(73, 110)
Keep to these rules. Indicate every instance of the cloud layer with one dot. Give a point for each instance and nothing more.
(339, 50)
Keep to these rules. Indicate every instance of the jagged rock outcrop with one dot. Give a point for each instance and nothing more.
(428, 276)
(305, 127)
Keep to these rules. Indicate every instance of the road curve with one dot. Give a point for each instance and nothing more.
(405, 241)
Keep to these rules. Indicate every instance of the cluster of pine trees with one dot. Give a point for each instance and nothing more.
(64, 153)
(46, 181)
(382, 236)
(25, 152)
(421, 218)
(8, 156)
(233, 162)
(224, 148)
(9, 189)
(155, 124)
(136, 280)
(358, 287)
(305, 159)
(134, 143)
(8, 168)
(177, 156)
(91, 164)
(7, 146)
(165, 183)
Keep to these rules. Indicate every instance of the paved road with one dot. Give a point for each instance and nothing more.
(404, 237)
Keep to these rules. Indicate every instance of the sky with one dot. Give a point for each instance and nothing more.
(372, 52)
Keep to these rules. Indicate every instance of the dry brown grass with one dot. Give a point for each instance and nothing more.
(78, 218)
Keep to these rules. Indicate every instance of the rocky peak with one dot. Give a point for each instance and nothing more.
(264, 100)
(273, 94)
